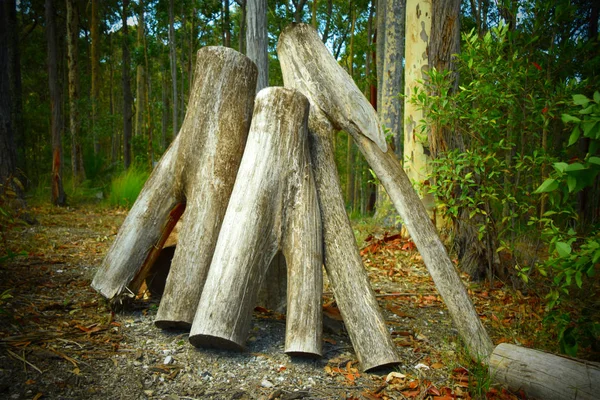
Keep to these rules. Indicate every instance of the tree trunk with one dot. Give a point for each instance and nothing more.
(226, 24)
(164, 109)
(198, 169)
(308, 66)
(8, 161)
(140, 81)
(273, 207)
(74, 117)
(127, 97)
(544, 376)
(95, 61)
(257, 40)
(350, 153)
(364, 322)
(16, 88)
(173, 61)
(59, 197)
(418, 28)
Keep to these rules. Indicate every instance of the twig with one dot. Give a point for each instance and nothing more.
(24, 360)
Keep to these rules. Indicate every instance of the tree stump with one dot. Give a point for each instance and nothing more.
(196, 173)
(273, 206)
(308, 66)
(544, 376)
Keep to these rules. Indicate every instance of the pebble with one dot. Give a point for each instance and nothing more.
(266, 384)
(168, 360)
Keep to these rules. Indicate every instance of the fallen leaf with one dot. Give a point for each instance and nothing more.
(437, 365)
(394, 375)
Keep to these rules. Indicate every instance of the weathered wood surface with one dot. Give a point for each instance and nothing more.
(309, 67)
(273, 206)
(198, 169)
(544, 376)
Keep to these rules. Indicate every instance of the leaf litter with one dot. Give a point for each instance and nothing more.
(59, 338)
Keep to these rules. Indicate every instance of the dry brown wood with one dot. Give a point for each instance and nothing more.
(198, 169)
(273, 207)
(544, 376)
(308, 66)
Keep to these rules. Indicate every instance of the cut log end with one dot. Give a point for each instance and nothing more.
(216, 342)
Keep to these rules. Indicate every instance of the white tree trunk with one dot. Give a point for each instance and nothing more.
(198, 170)
(418, 27)
(544, 376)
(308, 66)
(273, 206)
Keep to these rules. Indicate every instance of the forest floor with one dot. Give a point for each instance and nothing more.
(59, 339)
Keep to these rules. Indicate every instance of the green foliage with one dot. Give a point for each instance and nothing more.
(4, 297)
(126, 187)
(574, 256)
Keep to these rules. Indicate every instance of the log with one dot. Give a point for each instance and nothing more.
(308, 66)
(348, 278)
(198, 170)
(273, 207)
(544, 376)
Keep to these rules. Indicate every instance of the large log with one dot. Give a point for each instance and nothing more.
(544, 376)
(308, 66)
(198, 170)
(273, 207)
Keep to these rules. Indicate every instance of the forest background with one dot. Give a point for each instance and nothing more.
(508, 127)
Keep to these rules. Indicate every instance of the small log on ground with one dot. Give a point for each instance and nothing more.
(273, 206)
(308, 66)
(544, 376)
(197, 171)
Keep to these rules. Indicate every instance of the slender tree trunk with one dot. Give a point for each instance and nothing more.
(173, 60)
(226, 24)
(165, 109)
(313, 17)
(74, 112)
(328, 21)
(95, 61)
(140, 81)
(257, 40)
(350, 152)
(16, 91)
(126, 83)
(8, 160)
(59, 197)
(242, 33)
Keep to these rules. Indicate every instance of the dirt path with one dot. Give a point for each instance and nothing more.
(59, 340)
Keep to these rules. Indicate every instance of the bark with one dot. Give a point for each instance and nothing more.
(165, 109)
(308, 66)
(364, 322)
(273, 207)
(16, 89)
(350, 153)
(8, 160)
(380, 46)
(257, 40)
(418, 27)
(59, 197)
(242, 33)
(74, 117)
(544, 376)
(226, 24)
(140, 81)
(95, 65)
(328, 22)
(390, 107)
(127, 97)
(198, 170)
(173, 63)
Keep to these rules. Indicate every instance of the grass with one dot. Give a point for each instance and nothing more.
(126, 187)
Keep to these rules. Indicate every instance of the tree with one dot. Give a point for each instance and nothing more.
(257, 40)
(140, 96)
(8, 160)
(14, 74)
(73, 66)
(126, 83)
(173, 62)
(95, 66)
(59, 197)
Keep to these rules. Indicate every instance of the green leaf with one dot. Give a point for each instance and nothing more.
(578, 280)
(560, 166)
(580, 99)
(591, 129)
(575, 167)
(574, 136)
(597, 97)
(572, 183)
(563, 249)
(588, 110)
(549, 185)
(566, 118)
(594, 160)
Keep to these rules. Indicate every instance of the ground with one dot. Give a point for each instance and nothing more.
(60, 340)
